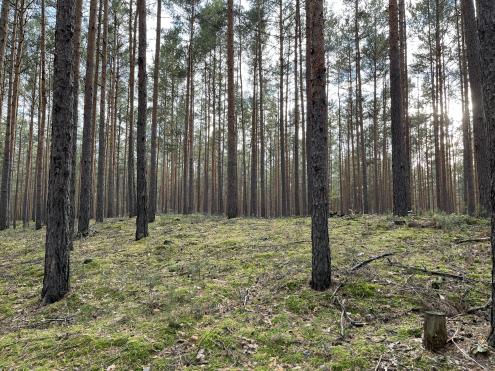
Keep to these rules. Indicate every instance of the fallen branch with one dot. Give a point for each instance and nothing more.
(463, 352)
(481, 307)
(430, 272)
(480, 239)
(346, 316)
(372, 259)
(378, 364)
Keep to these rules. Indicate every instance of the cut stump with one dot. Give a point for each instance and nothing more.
(434, 331)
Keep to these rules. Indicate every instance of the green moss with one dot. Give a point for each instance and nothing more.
(208, 283)
(361, 289)
(405, 333)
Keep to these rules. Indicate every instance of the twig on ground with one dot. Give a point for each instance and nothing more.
(480, 239)
(342, 319)
(370, 260)
(481, 307)
(430, 272)
(379, 362)
(463, 352)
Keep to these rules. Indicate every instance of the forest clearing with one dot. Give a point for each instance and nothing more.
(207, 292)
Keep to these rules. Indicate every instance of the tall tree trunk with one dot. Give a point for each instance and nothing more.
(317, 144)
(154, 121)
(232, 211)
(100, 191)
(359, 107)
(75, 110)
(283, 175)
(263, 202)
(85, 193)
(469, 201)
(297, 198)
(4, 31)
(479, 125)
(58, 238)
(131, 190)
(253, 211)
(40, 206)
(16, 51)
(486, 31)
(398, 139)
(405, 97)
(141, 192)
(27, 184)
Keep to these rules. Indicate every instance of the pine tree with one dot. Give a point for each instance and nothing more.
(58, 238)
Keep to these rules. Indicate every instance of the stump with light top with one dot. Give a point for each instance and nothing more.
(434, 330)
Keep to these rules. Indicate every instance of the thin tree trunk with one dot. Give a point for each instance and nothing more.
(142, 194)
(86, 166)
(100, 191)
(398, 145)
(154, 121)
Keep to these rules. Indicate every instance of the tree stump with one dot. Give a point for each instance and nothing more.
(434, 331)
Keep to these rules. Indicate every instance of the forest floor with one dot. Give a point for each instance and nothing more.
(206, 292)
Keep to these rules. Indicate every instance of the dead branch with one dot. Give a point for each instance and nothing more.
(430, 272)
(372, 259)
(481, 307)
(480, 239)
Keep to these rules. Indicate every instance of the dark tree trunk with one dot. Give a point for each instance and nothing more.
(100, 191)
(27, 184)
(75, 111)
(58, 238)
(9, 135)
(317, 144)
(359, 107)
(232, 211)
(263, 212)
(131, 189)
(86, 165)
(40, 205)
(253, 211)
(4, 30)
(399, 160)
(297, 198)
(486, 30)
(469, 200)
(154, 121)
(283, 176)
(141, 192)
(479, 123)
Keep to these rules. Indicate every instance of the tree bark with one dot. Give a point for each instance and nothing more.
(232, 209)
(479, 123)
(75, 111)
(40, 206)
(398, 139)
(86, 165)
(317, 144)
(486, 31)
(154, 121)
(100, 191)
(141, 192)
(58, 238)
